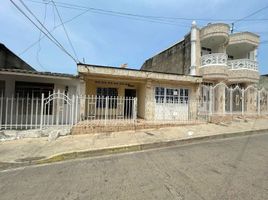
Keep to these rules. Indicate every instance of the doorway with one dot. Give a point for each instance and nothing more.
(130, 94)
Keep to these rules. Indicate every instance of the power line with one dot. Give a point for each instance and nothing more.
(244, 18)
(57, 26)
(66, 33)
(49, 37)
(254, 13)
(114, 13)
(39, 38)
(80, 7)
(29, 10)
(48, 32)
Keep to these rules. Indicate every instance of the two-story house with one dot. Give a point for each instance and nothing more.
(226, 61)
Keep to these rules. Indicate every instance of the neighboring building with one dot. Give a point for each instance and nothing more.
(213, 53)
(16, 82)
(263, 82)
(32, 99)
(9, 60)
(176, 59)
(224, 60)
(19, 78)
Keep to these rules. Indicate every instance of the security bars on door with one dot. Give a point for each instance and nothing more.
(59, 109)
(172, 105)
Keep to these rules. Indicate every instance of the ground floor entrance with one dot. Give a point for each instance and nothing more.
(171, 103)
(130, 94)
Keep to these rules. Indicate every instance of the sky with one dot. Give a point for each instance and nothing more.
(112, 40)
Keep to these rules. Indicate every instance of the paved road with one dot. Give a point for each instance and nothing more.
(236, 168)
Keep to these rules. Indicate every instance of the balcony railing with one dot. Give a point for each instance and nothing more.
(242, 64)
(221, 59)
(214, 59)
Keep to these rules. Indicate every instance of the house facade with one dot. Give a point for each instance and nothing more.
(227, 63)
(211, 72)
(213, 53)
(29, 98)
(159, 96)
(19, 78)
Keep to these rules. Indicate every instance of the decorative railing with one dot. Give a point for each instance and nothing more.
(214, 59)
(243, 64)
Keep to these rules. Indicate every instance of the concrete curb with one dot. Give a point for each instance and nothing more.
(125, 149)
(146, 146)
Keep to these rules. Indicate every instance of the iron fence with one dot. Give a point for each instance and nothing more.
(227, 100)
(59, 109)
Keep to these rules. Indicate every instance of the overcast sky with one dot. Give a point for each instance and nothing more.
(113, 40)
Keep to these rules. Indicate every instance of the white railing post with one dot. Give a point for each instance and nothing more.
(135, 109)
(58, 108)
(32, 102)
(72, 112)
(231, 101)
(211, 100)
(243, 102)
(76, 109)
(6, 117)
(223, 101)
(259, 103)
(27, 111)
(11, 113)
(42, 111)
(106, 109)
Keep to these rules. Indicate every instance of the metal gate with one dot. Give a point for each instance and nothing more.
(171, 104)
(233, 100)
(177, 111)
(59, 109)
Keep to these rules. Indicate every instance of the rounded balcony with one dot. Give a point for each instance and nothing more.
(214, 34)
(243, 70)
(214, 66)
(241, 44)
(244, 38)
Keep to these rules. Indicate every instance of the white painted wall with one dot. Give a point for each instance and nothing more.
(76, 86)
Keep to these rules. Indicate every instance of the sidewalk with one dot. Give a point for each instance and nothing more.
(39, 150)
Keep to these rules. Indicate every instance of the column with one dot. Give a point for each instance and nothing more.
(193, 48)
(149, 101)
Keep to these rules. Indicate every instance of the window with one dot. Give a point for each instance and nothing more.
(27, 90)
(171, 95)
(159, 94)
(107, 92)
(102, 93)
(184, 95)
(31, 89)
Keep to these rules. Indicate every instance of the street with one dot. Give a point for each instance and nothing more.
(235, 168)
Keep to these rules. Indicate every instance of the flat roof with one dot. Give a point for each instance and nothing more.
(134, 73)
(137, 70)
(35, 73)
